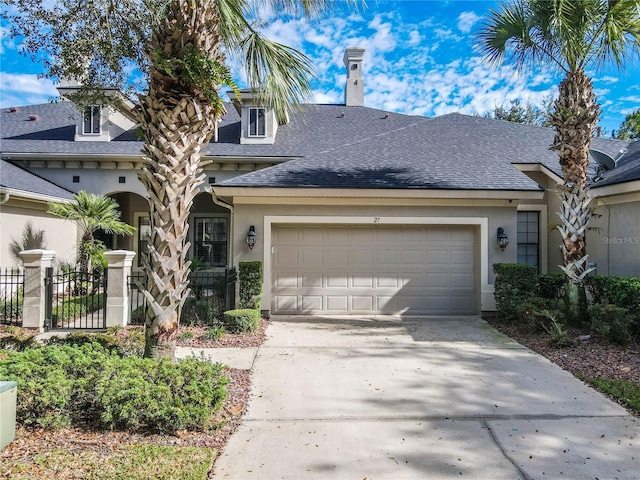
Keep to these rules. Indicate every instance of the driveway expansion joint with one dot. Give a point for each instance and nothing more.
(497, 443)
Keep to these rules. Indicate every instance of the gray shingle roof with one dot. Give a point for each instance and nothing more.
(627, 168)
(339, 146)
(18, 178)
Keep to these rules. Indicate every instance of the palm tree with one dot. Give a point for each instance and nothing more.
(180, 45)
(179, 116)
(91, 212)
(570, 36)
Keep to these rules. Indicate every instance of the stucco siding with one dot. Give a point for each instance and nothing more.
(613, 242)
(60, 235)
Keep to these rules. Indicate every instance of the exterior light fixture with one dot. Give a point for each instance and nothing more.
(503, 240)
(251, 237)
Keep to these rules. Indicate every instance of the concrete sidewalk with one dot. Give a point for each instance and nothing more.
(428, 398)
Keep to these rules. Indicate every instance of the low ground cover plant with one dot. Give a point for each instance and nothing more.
(95, 384)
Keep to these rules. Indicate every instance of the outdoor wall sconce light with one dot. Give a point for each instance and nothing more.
(251, 237)
(503, 240)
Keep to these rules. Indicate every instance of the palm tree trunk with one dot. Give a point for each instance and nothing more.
(575, 118)
(177, 121)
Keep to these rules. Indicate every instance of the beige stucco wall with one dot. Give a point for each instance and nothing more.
(494, 214)
(613, 242)
(60, 236)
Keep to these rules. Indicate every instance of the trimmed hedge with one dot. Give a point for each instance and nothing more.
(250, 278)
(620, 291)
(241, 320)
(91, 384)
(611, 322)
(514, 283)
(551, 286)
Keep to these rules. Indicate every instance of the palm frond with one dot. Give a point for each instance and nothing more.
(280, 74)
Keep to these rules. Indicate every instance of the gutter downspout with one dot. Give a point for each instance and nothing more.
(221, 203)
(5, 197)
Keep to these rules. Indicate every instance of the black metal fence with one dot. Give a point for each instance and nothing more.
(11, 294)
(75, 299)
(212, 292)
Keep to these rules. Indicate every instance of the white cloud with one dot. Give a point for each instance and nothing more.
(466, 21)
(632, 98)
(414, 37)
(607, 79)
(23, 89)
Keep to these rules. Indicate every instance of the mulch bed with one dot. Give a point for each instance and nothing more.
(592, 358)
(236, 340)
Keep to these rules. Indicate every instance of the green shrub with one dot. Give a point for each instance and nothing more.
(75, 307)
(204, 311)
(89, 383)
(187, 335)
(17, 339)
(123, 342)
(137, 316)
(551, 286)
(533, 311)
(612, 322)
(214, 333)
(11, 305)
(250, 278)
(55, 383)
(619, 291)
(241, 320)
(141, 393)
(514, 283)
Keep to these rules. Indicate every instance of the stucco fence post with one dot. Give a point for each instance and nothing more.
(118, 302)
(33, 299)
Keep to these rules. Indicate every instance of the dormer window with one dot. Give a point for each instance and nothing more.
(91, 121)
(257, 122)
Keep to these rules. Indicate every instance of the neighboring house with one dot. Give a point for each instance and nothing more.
(355, 210)
(24, 199)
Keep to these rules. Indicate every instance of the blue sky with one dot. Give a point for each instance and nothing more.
(420, 59)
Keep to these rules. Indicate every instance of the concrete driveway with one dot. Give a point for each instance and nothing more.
(421, 398)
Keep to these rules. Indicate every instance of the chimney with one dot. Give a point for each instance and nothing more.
(354, 90)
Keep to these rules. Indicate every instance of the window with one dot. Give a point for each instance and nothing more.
(91, 122)
(210, 241)
(144, 238)
(529, 238)
(257, 126)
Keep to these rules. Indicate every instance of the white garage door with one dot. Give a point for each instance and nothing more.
(335, 269)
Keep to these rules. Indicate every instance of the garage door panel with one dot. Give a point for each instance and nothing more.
(287, 303)
(387, 256)
(461, 280)
(364, 257)
(336, 236)
(310, 258)
(362, 279)
(337, 303)
(336, 257)
(286, 279)
(374, 269)
(387, 280)
(337, 280)
(362, 302)
(311, 279)
(311, 303)
(413, 257)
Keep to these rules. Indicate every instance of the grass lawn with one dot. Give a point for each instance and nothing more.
(124, 462)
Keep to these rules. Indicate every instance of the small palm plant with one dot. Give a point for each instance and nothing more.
(91, 212)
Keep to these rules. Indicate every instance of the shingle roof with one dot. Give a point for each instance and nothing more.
(339, 146)
(17, 178)
(627, 168)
